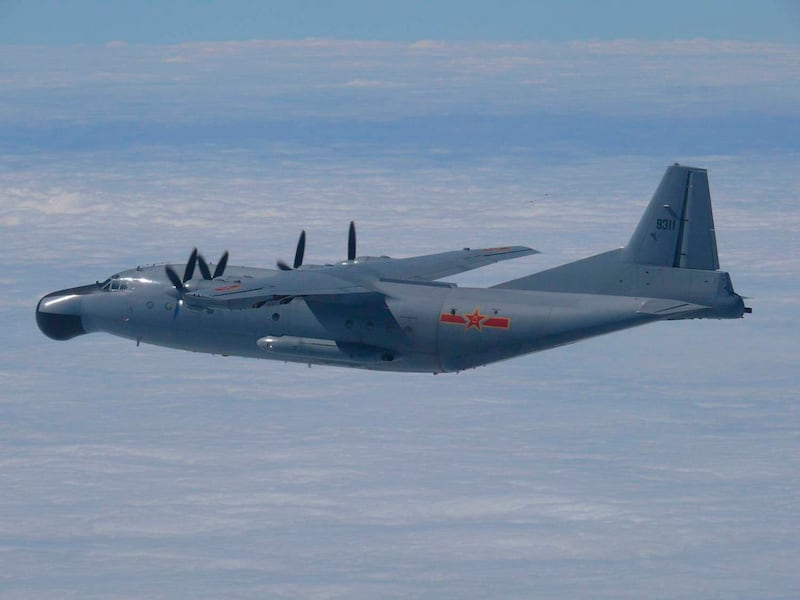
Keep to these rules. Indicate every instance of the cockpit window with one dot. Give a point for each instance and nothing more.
(114, 285)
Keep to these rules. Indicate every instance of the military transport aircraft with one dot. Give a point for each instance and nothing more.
(395, 315)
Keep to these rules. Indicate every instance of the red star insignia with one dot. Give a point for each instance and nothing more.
(474, 319)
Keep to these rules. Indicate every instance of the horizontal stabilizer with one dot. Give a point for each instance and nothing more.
(669, 308)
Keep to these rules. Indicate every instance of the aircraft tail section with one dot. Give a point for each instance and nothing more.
(671, 255)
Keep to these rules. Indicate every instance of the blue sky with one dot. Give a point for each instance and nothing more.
(651, 463)
(146, 21)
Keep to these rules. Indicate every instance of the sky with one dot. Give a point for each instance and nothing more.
(658, 462)
(53, 22)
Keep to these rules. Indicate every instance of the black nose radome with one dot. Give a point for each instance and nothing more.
(55, 319)
(59, 327)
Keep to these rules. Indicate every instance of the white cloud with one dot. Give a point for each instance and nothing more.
(368, 83)
(264, 78)
(428, 45)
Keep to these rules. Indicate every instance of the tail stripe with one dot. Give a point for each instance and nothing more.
(682, 222)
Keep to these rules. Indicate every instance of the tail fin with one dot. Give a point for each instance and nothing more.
(672, 255)
(677, 229)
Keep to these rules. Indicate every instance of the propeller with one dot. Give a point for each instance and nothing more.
(195, 260)
(188, 273)
(176, 281)
(298, 255)
(203, 265)
(180, 284)
(204, 270)
(301, 249)
(220, 268)
(351, 242)
(218, 271)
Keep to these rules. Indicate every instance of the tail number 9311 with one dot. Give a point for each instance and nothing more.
(665, 224)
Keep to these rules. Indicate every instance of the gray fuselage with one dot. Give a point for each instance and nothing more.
(423, 327)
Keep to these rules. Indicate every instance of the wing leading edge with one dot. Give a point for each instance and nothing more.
(352, 278)
(435, 266)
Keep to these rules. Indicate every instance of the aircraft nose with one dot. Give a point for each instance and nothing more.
(58, 314)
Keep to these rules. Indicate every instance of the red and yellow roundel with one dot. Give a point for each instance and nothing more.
(475, 320)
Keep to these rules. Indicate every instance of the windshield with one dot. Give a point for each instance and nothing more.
(114, 284)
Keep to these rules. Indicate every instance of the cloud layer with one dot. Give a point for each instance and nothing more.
(277, 80)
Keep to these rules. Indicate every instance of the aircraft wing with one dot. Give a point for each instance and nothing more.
(435, 266)
(278, 288)
(352, 279)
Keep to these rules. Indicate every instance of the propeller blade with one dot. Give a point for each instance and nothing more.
(173, 277)
(223, 262)
(283, 266)
(301, 250)
(179, 284)
(189, 272)
(351, 242)
(201, 262)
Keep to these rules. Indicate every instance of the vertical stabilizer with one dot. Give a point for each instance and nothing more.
(670, 261)
(677, 229)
